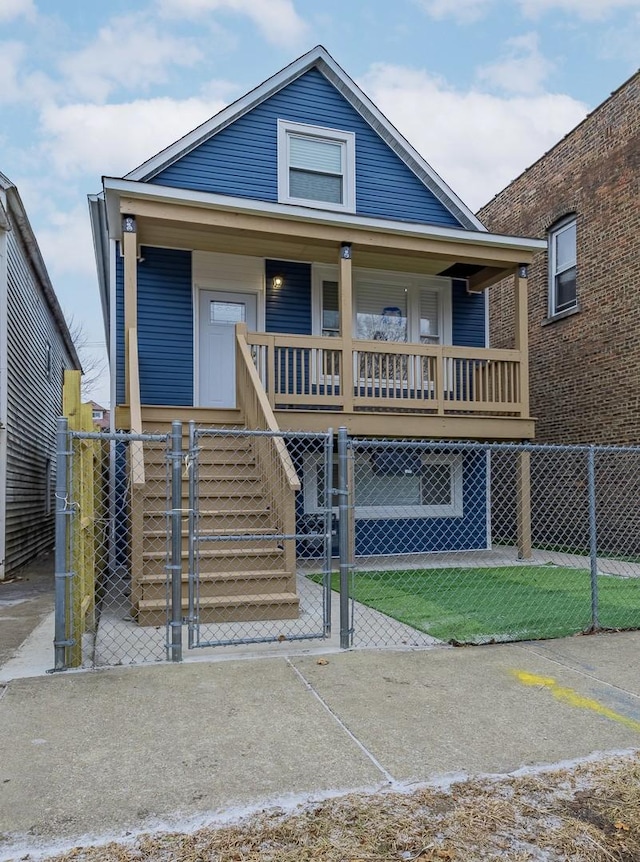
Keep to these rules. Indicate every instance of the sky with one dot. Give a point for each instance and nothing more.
(481, 88)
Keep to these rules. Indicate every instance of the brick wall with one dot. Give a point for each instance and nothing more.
(585, 368)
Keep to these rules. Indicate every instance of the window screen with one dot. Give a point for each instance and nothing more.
(315, 169)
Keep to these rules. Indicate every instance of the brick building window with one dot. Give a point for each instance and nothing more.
(562, 267)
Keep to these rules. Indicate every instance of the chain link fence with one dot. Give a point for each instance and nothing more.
(201, 538)
(472, 543)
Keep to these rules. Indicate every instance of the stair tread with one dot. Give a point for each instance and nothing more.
(250, 552)
(209, 577)
(230, 531)
(224, 601)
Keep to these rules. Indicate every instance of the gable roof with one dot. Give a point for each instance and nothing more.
(16, 215)
(320, 59)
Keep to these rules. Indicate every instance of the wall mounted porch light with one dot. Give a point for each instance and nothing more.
(277, 282)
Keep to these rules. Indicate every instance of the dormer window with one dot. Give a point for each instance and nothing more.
(316, 166)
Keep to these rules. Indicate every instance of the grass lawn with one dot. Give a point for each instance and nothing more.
(476, 605)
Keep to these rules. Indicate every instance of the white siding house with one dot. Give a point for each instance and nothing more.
(35, 348)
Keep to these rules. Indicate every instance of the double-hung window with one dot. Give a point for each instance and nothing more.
(316, 166)
(562, 267)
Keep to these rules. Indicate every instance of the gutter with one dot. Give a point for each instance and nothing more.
(100, 233)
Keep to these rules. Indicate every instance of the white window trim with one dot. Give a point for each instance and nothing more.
(414, 282)
(347, 139)
(557, 229)
(372, 513)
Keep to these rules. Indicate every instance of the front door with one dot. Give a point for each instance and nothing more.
(219, 313)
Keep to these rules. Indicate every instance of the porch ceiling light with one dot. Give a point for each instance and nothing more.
(277, 282)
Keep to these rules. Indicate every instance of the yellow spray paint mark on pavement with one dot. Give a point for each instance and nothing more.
(572, 698)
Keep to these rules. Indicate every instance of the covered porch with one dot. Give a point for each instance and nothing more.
(396, 378)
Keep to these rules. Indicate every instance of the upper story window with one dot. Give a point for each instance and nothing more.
(316, 166)
(562, 267)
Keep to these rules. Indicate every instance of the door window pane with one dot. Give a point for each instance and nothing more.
(227, 312)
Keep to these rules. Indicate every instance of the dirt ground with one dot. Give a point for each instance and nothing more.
(590, 812)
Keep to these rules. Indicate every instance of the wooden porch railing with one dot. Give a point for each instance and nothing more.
(299, 371)
(272, 456)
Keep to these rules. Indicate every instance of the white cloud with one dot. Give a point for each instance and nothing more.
(11, 56)
(464, 11)
(65, 241)
(586, 9)
(114, 139)
(476, 141)
(522, 68)
(469, 11)
(276, 19)
(129, 53)
(15, 8)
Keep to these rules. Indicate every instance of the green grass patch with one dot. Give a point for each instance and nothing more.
(479, 605)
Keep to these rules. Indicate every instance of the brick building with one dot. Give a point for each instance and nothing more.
(584, 297)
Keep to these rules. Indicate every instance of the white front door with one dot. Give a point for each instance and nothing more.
(219, 312)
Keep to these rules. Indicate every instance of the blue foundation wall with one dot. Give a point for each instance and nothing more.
(393, 536)
(426, 535)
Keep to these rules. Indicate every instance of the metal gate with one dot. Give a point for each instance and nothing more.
(259, 544)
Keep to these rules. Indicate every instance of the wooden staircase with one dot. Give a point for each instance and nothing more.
(240, 580)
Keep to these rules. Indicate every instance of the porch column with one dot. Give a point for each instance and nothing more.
(345, 292)
(524, 458)
(130, 254)
(522, 336)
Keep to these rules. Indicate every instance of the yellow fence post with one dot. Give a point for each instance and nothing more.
(84, 477)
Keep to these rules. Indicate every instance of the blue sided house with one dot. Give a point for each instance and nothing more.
(295, 264)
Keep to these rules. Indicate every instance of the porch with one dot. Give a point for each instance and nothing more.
(399, 372)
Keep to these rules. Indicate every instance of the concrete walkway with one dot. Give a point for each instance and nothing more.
(97, 753)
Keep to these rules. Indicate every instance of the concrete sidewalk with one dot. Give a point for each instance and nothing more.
(91, 754)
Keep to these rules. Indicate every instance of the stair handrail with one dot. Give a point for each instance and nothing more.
(257, 410)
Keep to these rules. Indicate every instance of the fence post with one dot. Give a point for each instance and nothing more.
(523, 482)
(328, 523)
(345, 544)
(593, 537)
(61, 640)
(176, 541)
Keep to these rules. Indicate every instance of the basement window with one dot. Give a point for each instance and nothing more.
(392, 483)
(316, 166)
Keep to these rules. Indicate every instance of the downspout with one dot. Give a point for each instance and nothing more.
(4, 375)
